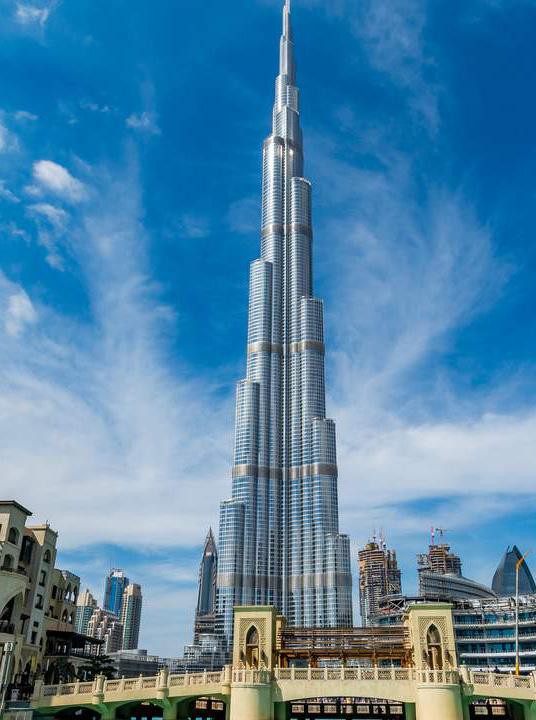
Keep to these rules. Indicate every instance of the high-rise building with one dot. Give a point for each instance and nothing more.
(206, 597)
(379, 578)
(279, 538)
(85, 607)
(104, 625)
(205, 614)
(440, 560)
(504, 580)
(131, 616)
(440, 576)
(114, 587)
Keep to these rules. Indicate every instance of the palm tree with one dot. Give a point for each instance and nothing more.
(97, 665)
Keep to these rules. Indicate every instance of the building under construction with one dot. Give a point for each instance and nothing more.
(440, 575)
(379, 578)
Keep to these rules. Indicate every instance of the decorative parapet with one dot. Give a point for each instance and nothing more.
(404, 682)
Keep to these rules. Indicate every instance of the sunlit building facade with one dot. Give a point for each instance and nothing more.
(279, 540)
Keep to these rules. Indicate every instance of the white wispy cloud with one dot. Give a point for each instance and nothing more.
(8, 140)
(193, 226)
(95, 107)
(6, 194)
(104, 403)
(56, 179)
(244, 215)
(56, 216)
(405, 271)
(23, 115)
(144, 122)
(31, 15)
(17, 310)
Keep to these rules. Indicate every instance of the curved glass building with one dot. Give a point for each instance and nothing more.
(279, 538)
(504, 580)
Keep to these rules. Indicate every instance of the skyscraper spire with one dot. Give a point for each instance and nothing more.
(279, 538)
(286, 65)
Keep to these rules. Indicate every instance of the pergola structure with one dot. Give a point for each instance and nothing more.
(314, 646)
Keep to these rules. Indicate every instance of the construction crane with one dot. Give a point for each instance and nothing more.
(440, 531)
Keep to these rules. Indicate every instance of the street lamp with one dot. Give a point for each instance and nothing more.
(5, 673)
(519, 563)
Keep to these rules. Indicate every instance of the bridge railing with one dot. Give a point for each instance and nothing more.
(102, 686)
(360, 674)
(503, 680)
(438, 677)
(164, 680)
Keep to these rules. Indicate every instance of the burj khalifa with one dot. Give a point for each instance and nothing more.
(279, 540)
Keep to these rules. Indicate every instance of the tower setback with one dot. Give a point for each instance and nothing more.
(279, 541)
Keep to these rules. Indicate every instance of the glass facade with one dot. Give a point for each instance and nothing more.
(114, 588)
(279, 538)
(504, 580)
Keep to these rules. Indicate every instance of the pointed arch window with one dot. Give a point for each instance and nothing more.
(434, 648)
(252, 647)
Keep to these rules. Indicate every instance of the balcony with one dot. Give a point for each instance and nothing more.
(7, 627)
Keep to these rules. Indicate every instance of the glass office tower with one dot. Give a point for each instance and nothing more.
(279, 534)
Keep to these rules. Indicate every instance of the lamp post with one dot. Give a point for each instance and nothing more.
(5, 673)
(519, 563)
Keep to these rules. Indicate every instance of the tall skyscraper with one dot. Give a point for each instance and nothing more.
(85, 606)
(379, 578)
(114, 587)
(205, 613)
(131, 616)
(504, 580)
(206, 597)
(279, 534)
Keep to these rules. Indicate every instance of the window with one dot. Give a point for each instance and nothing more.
(39, 602)
(13, 536)
(34, 638)
(42, 578)
(26, 550)
(46, 556)
(435, 651)
(8, 562)
(252, 648)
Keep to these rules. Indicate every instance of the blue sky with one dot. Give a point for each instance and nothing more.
(130, 148)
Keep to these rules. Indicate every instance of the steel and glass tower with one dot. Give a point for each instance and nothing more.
(279, 534)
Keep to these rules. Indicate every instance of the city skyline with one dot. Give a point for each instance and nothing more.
(423, 225)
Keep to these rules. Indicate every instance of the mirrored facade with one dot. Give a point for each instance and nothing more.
(279, 540)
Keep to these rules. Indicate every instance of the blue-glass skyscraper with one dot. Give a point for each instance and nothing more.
(114, 587)
(279, 538)
(504, 580)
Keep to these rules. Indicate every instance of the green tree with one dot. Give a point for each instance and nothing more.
(97, 665)
(62, 671)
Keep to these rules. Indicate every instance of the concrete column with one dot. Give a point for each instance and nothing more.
(529, 709)
(439, 701)
(410, 710)
(251, 702)
(169, 711)
(107, 712)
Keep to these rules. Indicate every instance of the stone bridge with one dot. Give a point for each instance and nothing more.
(264, 694)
